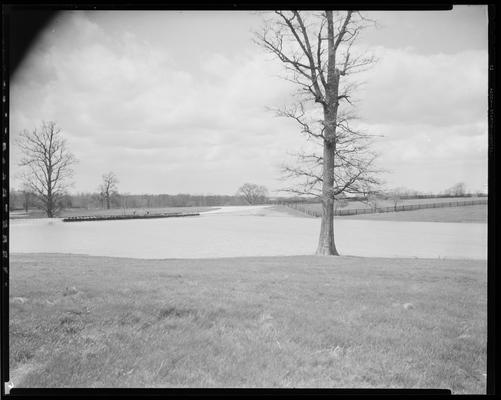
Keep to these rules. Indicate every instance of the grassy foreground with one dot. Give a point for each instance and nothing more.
(303, 321)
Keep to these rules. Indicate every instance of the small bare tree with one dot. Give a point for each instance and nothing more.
(395, 195)
(47, 165)
(26, 200)
(373, 199)
(458, 190)
(316, 49)
(252, 193)
(108, 187)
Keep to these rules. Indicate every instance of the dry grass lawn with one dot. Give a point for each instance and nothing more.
(306, 321)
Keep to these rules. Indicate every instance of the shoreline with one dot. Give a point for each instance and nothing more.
(229, 258)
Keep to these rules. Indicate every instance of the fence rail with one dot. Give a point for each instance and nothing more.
(404, 207)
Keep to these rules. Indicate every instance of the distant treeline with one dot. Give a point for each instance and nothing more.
(19, 200)
(24, 200)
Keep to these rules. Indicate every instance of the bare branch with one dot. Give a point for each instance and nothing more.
(252, 193)
(48, 164)
(344, 163)
(297, 113)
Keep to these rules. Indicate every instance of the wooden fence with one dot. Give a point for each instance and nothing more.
(405, 207)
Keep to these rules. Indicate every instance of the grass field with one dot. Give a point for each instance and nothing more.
(389, 203)
(80, 321)
(476, 213)
(72, 212)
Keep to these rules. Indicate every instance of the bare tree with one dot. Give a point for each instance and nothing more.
(252, 193)
(373, 199)
(27, 197)
(395, 198)
(317, 52)
(395, 195)
(458, 190)
(26, 200)
(108, 187)
(48, 165)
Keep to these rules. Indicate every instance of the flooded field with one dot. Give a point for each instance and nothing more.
(246, 231)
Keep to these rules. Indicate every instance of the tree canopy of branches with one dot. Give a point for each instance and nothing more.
(108, 187)
(252, 193)
(47, 165)
(316, 49)
(458, 190)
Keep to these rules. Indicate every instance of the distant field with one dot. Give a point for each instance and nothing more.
(388, 203)
(72, 212)
(473, 213)
(446, 214)
(80, 321)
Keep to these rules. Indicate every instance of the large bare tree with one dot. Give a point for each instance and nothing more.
(316, 49)
(252, 193)
(48, 165)
(108, 187)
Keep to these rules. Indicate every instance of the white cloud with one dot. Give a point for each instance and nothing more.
(126, 106)
(439, 89)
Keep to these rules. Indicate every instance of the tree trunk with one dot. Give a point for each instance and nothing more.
(50, 209)
(26, 202)
(326, 245)
(108, 202)
(50, 205)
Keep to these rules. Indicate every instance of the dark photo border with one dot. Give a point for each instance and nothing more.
(21, 25)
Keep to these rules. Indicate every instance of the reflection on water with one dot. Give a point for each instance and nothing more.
(246, 231)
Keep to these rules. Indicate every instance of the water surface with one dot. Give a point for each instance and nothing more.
(246, 231)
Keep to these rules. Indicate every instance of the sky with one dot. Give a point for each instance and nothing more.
(179, 102)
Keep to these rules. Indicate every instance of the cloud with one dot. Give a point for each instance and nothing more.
(438, 89)
(432, 158)
(126, 105)
(422, 142)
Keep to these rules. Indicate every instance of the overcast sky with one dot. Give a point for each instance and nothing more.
(176, 102)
